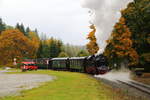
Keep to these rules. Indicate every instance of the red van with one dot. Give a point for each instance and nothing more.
(28, 66)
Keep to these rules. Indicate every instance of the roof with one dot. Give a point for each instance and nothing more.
(76, 58)
(28, 62)
(59, 58)
(71, 58)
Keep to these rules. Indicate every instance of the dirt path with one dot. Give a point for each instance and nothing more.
(12, 84)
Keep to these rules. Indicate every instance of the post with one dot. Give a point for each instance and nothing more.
(15, 63)
(47, 62)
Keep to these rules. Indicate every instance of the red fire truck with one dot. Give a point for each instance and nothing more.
(28, 66)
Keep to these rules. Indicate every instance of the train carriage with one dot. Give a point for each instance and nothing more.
(59, 63)
(42, 63)
(77, 64)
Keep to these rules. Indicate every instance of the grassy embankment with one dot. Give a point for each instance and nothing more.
(68, 86)
(145, 78)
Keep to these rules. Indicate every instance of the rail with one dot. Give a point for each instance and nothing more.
(136, 85)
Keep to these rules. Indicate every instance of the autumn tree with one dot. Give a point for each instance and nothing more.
(13, 44)
(92, 46)
(137, 16)
(120, 46)
(33, 36)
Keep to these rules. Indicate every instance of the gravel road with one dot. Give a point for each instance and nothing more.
(12, 84)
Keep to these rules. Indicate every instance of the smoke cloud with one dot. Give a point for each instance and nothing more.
(122, 75)
(104, 14)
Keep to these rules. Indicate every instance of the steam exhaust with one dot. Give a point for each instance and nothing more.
(104, 14)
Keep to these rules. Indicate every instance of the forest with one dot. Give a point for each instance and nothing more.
(21, 42)
(129, 42)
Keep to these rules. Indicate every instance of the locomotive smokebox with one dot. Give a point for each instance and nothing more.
(97, 64)
(101, 60)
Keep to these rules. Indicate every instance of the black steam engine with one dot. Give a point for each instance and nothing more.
(95, 64)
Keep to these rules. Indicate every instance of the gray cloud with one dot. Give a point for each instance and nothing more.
(64, 19)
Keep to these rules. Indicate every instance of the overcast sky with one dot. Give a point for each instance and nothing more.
(63, 19)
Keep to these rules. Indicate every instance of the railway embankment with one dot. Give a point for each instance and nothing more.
(135, 90)
(145, 78)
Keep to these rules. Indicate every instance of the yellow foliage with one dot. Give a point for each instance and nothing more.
(121, 44)
(91, 35)
(92, 46)
(13, 44)
(35, 41)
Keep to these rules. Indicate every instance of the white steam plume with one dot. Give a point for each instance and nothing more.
(104, 15)
(122, 75)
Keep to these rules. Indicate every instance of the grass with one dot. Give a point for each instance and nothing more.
(69, 86)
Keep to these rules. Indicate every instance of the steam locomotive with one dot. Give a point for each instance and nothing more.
(95, 64)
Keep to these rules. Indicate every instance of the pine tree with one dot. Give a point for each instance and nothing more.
(21, 28)
(40, 51)
(2, 26)
(53, 49)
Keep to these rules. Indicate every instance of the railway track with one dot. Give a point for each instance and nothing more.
(139, 86)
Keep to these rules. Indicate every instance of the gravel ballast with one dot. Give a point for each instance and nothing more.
(12, 84)
(128, 90)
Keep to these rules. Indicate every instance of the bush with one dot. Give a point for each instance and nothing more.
(63, 54)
